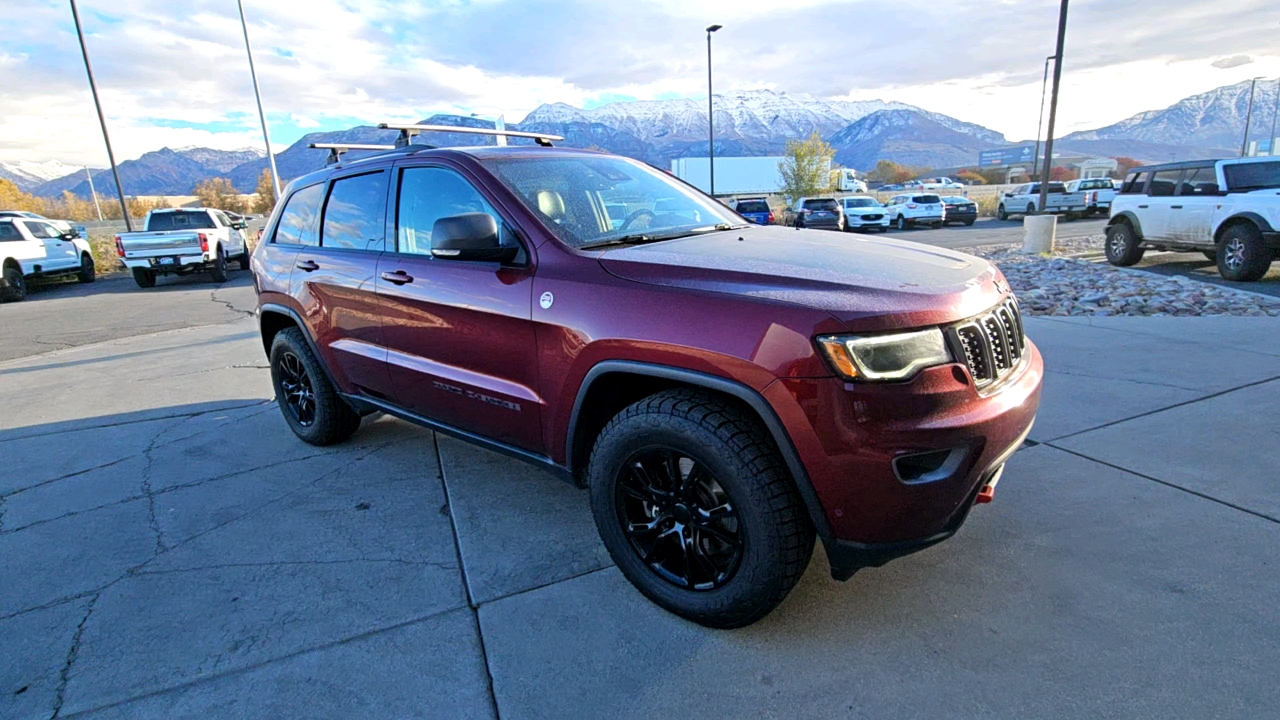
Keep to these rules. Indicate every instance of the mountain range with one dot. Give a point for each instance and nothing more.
(753, 123)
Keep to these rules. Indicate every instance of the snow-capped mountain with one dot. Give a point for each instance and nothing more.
(1211, 120)
(27, 174)
(911, 137)
(160, 172)
(220, 160)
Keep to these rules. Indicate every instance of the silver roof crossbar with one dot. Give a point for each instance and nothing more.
(337, 149)
(408, 131)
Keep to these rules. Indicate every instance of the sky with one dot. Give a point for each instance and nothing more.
(174, 74)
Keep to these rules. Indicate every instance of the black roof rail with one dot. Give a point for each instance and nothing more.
(408, 131)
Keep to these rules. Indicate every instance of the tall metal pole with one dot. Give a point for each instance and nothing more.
(262, 117)
(711, 117)
(1248, 117)
(1044, 88)
(1053, 107)
(1271, 141)
(102, 120)
(93, 193)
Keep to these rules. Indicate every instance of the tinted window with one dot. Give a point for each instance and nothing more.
(298, 222)
(9, 231)
(1199, 181)
(179, 220)
(1135, 184)
(1252, 176)
(428, 194)
(355, 214)
(926, 199)
(1163, 183)
(1095, 185)
(819, 204)
(42, 230)
(753, 206)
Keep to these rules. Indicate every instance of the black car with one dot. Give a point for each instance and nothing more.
(959, 210)
(820, 213)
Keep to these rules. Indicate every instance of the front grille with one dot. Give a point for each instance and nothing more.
(872, 217)
(993, 343)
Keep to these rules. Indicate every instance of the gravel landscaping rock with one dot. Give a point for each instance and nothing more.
(1064, 284)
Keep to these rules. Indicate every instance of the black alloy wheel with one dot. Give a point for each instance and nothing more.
(296, 392)
(218, 270)
(15, 285)
(678, 519)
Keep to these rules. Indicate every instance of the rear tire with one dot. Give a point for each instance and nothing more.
(309, 402)
(88, 273)
(15, 285)
(1123, 247)
(218, 270)
(245, 258)
(696, 507)
(1241, 255)
(1031, 210)
(144, 277)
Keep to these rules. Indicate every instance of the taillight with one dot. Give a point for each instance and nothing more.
(204, 242)
(770, 220)
(119, 247)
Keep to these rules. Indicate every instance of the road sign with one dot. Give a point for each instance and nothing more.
(1023, 154)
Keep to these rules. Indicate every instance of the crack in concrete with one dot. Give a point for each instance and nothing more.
(213, 297)
(65, 675)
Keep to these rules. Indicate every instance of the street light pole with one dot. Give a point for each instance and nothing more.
(711, 116)
(262, 117)
(1044, 87)
(1271, 141)
(93, 193)
(102, 120)
(1248, 117)
(1053, 107)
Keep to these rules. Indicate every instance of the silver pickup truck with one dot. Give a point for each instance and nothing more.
(183, 241)
(1024, 199)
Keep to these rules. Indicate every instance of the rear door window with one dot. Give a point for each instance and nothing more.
(297, 224)
(9, 231)
(355, 213)
(1164, 183)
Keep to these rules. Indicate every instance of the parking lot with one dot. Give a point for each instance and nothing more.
(170, 549)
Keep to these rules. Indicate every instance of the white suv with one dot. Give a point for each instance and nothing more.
(38, 249)
(1227, 209)
(864, 213)
(906, 211)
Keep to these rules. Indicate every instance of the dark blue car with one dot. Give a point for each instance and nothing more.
(755, 210)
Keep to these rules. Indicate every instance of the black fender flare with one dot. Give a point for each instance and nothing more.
(1259, 221)
(735, 389)
(1128, 216)
(290, 313)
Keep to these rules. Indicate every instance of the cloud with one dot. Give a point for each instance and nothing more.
(1233, 61)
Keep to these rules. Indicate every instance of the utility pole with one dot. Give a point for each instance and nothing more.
(102, 120)
(93, 193)
(1044, 87)
(1248, 117)
(262, 117)
(711, 117)
(1053, 108)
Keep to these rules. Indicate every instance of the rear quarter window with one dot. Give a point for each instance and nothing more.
(9, 231)
(297, 224)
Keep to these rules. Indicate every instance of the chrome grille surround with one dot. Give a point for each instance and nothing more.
(992, 345)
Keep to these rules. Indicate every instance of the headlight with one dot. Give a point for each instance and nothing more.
(885, 357)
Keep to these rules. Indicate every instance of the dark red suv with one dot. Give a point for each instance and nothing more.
(725, 390)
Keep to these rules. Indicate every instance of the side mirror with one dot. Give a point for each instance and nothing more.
(69, 236)
(239, 225)
(1008, 194)
(470, 236)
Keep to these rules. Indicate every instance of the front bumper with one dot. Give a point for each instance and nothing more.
(848, 436)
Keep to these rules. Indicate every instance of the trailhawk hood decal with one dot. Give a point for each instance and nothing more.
(850, 276)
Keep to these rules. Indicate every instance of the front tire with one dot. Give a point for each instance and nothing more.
(1001, 214)
(696, 507)
(144, 277)
(1123, 247)
(309, 402)
(88, 273)
(1241, 255)
(15, 285)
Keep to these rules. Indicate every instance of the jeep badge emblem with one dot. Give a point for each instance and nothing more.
(546, 300)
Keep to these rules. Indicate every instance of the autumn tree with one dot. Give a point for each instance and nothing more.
(971, 177)
(219, 193)
(12, 198)
(805, 168)
(265, 202)
(1124, 164)
(887, 171)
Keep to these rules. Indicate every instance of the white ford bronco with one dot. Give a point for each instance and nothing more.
(1227, 209)
(181, 242)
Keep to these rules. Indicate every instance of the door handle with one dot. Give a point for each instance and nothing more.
(398, 277)
(1175, 207)
(1143, 207)
(308, 265)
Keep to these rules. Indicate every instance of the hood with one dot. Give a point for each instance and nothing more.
(867, 282)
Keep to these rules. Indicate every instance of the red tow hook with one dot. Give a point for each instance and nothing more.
(988, 491)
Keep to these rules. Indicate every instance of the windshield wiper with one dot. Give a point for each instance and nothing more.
(642, 238)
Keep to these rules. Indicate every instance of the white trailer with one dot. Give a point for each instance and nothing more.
(734, 175)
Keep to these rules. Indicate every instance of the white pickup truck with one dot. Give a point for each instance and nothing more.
(1098, 194)
(934, 183)
(1227, 209)
(181, 242)
(1024, 199)
(36, 248)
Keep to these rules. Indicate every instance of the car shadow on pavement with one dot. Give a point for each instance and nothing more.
(121, 283)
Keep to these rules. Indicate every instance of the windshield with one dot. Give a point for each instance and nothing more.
(753, 206)
(181, 220)
(572, 195)
(1252, 176)
(860, 202)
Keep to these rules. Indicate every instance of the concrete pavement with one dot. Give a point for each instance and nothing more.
(169, 549)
